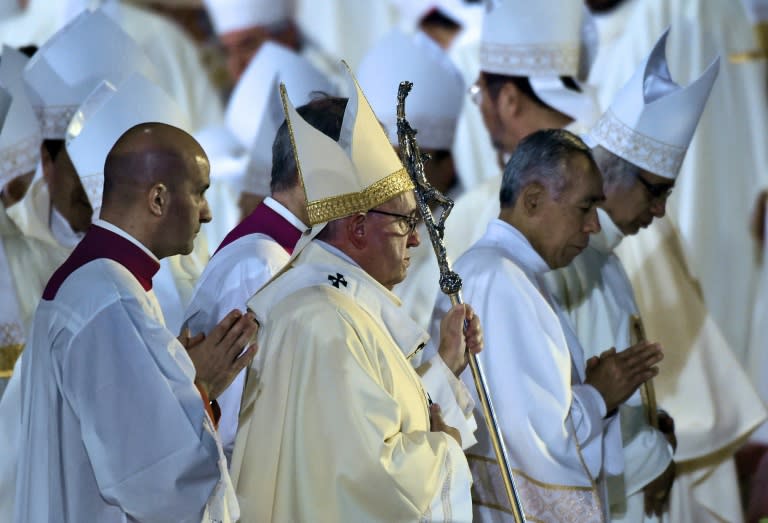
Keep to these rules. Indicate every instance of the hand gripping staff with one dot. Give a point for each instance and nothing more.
(450, 282)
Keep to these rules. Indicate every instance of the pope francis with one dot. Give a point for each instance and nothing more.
(351, 433)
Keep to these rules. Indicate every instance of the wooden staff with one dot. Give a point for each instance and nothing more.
(647, 391)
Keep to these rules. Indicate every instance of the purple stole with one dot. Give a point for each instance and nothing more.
(102, 243)
(265, 220)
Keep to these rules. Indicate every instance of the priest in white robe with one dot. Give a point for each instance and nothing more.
(556, 414)
(731, 137)
(518, 95)
(118, 427)
(19, 153)
(595, 289)
(355, 438)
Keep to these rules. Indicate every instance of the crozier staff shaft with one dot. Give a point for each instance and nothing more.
(450, 282)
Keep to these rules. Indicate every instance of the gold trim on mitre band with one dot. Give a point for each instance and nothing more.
(335, 207)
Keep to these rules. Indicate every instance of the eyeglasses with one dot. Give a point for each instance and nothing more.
(475, 93)
(409, 221)
(657, 191)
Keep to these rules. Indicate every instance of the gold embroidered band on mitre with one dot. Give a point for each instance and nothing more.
(542, 502)
(335, 207)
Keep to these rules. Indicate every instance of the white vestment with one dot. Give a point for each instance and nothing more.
(232, 276)
(725, 164)
(349, 436)
(558, 440)
(700, 383)
(600, 302)
(113, 428)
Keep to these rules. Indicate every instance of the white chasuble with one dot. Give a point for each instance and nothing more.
(334, 424)
(552, 424)
(599, 299)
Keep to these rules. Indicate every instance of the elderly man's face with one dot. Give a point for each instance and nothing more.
(390, 238)
(633, 207)
(564, 221)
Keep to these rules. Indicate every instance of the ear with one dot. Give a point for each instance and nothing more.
(158, 199)
(47, 164)
(356, 229)
(532, 197)
(509, 103)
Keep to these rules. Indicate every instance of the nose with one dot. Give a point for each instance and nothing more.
(592, 223)
(413, 239)
(205, 213)
(659, 208)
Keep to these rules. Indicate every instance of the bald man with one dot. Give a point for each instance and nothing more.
(116, 421)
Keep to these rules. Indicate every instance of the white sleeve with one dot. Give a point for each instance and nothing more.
(456, 403)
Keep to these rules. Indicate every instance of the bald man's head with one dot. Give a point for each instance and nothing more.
(155, 178)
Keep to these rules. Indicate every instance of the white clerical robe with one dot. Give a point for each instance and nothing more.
(725, 164)
(234, 274)
(700, 382)
(554, 426)
(599, 299)
(113, 427)
(349, 434)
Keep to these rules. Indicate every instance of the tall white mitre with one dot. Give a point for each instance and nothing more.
(435, 102)
(69, 66)
(104, 116)
(354, 174)
(255, 112)
(20, 138)
(651, 120)
(233, 15)
(541, 40)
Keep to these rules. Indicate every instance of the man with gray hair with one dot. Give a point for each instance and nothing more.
(556, 415)
(640, 156)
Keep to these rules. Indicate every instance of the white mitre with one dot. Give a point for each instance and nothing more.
(438, 92)
(20, 137)
(540, 40)
(652, 119)
(255, 112)
(358, 172)
(69, 66)
(234, 15)
(104, 116)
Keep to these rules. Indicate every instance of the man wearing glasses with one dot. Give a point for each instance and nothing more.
(335, 423)
(639, 155)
